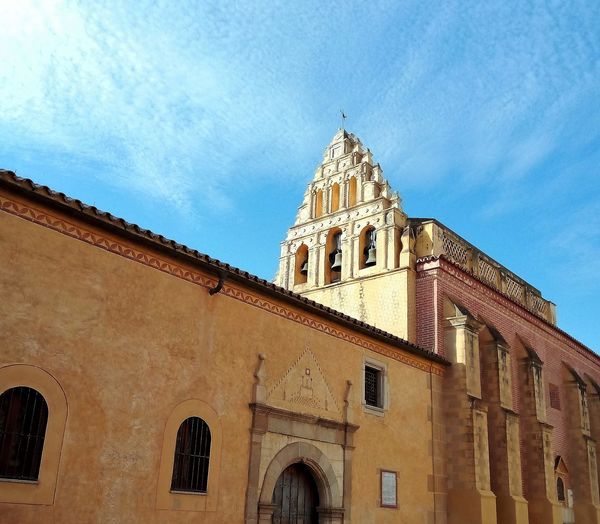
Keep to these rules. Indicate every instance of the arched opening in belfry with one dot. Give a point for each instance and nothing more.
(333, 260)
(352, 187)
(318, 204)
(301, 265)
(295, 496)
(335, 197)
(367, 247)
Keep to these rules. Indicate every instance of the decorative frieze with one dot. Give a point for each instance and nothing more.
(434, 239)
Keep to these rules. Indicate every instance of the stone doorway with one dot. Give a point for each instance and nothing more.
(300, 459)
(295, 497)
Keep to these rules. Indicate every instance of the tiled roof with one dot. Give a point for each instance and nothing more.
(108, 221)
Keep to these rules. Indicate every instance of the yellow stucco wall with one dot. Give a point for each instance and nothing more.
(128, 343)
(381, 302)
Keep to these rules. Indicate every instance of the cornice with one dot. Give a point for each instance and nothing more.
(431, 263)
(402, 351)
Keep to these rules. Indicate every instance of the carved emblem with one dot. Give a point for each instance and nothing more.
(304, 388)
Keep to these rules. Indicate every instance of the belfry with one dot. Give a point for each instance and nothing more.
(350, 229)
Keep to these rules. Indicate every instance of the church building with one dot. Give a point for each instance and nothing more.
(392, 373)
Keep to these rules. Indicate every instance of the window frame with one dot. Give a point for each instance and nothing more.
(42, 491)
(383, 387)
(189, 500)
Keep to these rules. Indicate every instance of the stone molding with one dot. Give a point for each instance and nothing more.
(264, 414)
(333, 497)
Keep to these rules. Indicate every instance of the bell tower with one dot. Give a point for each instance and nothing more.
(350, 247)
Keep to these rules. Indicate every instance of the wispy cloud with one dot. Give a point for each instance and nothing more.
(164, 99)
(487, 112)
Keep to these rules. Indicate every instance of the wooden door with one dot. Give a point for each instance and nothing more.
(296, 497)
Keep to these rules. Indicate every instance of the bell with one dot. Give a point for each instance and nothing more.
(337, 262)
(304, 268)
(371, 257)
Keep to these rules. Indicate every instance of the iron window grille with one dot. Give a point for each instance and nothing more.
(560, 490)
(23, 420)
(373, 389)
(192, 456)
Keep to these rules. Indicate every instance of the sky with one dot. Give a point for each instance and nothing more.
(204, 121)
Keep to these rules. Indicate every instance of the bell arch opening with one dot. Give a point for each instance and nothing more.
(367, 247)
(301, 265)
(333, 260)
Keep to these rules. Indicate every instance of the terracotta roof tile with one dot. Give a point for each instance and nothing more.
(105, 219)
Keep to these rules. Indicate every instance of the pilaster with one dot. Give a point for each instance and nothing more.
(583, 464)
(470, 498)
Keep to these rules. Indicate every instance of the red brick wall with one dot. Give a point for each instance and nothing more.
(439, 279)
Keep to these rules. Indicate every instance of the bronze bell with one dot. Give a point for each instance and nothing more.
(337, 262)
(304, 268)
(371, 257)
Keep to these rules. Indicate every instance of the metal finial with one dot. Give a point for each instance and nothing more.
(343, 118)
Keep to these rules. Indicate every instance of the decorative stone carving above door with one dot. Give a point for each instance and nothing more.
(304, 389)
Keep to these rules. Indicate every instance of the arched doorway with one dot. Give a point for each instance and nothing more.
(295, 497)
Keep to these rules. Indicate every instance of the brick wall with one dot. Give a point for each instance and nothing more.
(439, 279)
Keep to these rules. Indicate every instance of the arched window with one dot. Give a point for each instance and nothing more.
(23, 419)
(301, 265)
(335, 197)
(192, 456)
(352, 191)
(319, 204)
(560, 489)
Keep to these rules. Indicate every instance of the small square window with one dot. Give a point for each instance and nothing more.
(373, 387)
(554, 396)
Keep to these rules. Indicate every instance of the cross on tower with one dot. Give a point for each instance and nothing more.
(343, 117)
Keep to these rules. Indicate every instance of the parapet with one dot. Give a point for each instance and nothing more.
(436, 240)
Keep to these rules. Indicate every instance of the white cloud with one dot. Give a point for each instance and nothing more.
(172, 100)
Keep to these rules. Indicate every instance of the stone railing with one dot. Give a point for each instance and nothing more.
(434, 239)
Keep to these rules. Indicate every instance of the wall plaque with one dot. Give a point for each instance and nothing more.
(389, 489)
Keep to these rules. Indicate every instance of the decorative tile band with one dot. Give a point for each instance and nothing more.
(76, 231)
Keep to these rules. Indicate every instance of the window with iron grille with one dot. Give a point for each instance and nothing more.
(192, 456)
(560, 489)
(554, 396)
(373, 387)
(23, 419)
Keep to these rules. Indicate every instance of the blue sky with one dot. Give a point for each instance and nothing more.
(205, 121)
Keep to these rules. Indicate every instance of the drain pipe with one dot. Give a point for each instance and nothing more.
(219, 286)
